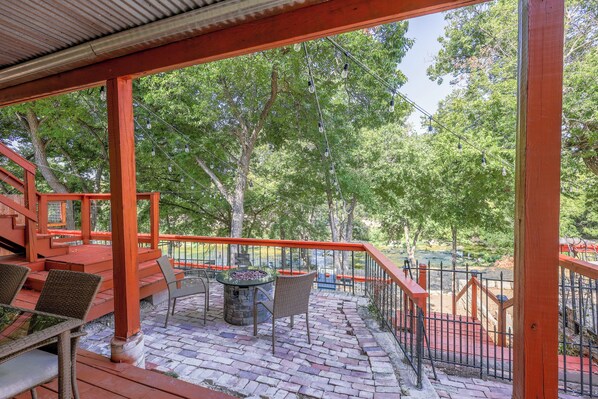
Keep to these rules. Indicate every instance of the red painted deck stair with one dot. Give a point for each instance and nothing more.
(12, 238)
(95, 259)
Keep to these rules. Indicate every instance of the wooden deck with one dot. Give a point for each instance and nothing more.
(99, 378)
(96, 259)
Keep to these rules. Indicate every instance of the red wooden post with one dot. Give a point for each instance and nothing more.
(42, 215)
(127, 344)
(85, 219)
(154, 219)
(30, 225)
(535, 372)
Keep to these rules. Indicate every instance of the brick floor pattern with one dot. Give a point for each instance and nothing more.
(457, 387)
(343, 361)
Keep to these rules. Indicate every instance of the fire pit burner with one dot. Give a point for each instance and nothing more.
(247, 275)
(238, 294)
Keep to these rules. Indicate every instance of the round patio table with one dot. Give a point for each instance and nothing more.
(238, 294)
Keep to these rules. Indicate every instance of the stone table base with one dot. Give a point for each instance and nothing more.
(238, 305)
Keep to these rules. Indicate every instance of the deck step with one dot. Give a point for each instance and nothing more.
(36, 266)
(36, 280)
(94, 262)
(104, 301)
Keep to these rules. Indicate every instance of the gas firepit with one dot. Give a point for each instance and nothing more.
(238, 294)
(247, 275)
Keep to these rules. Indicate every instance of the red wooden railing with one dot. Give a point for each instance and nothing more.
(27, 187)
(414, 291)
(579, 266)
(86, 234)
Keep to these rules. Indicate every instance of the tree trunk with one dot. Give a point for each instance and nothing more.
(237, 202)
(454, 246)
(32, 123)
(247, 137)
(408, 247)
(350, 220)
(349, 234)
(411, 243)
(283, 251)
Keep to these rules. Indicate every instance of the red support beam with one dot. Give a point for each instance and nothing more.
(121, 145)
(154, 220)
(30, 224)
(85, 220)
(537, 199)
(307, 23)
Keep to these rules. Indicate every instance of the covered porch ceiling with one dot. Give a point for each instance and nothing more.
(38, 39)
(80, 44)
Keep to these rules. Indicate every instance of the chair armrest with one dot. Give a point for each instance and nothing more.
(78, 334)
(256, 289)
(202, 280)
(199, 272)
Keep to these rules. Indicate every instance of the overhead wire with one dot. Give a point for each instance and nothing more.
(395, 92)
(322, 125)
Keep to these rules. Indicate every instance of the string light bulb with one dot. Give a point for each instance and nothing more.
(391, 105)
(251, 183)
(148, 124)
(332, 168)
(103, 93)
(326, 152)
(169, 168)
(345, 71)
(187, 148)
(182, 179)
(430, 128)
(153, 151)
(311, 87)
(321, 127)
(484, 159)
(459, 146)
(297, 47)
(504, 171)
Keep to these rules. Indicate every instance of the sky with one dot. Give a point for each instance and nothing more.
(419, 88)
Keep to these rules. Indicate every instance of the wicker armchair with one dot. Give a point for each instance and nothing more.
(12, 278)
(70, 294)
(183, 288)
(65, 293)
(291, 297)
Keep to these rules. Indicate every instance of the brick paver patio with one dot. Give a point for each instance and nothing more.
(343, 361)
(457, 387)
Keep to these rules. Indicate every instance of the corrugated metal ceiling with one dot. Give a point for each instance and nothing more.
(32, 28)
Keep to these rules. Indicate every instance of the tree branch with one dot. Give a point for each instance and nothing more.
(267, 107)
(215, 179)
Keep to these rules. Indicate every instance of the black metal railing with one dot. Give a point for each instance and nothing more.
(398, 310)
(467, 318)
(578, 339)
(469, 321)
(341, 270)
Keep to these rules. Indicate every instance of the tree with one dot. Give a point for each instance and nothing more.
(402, 182)
(479, 52)
(55, 133)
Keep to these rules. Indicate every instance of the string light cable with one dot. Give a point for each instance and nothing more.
(321, 126)
(395, 92)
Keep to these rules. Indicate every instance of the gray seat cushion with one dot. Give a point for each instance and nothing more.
(27, 371)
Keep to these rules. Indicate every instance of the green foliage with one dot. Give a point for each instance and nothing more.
(480, 54)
